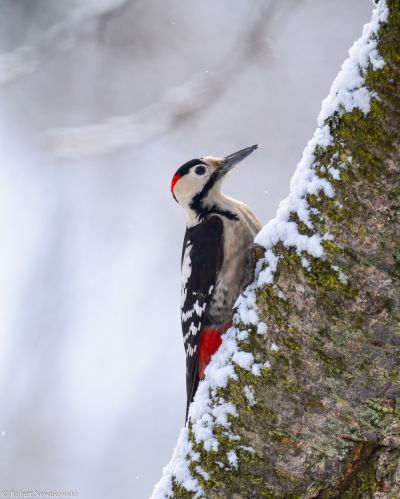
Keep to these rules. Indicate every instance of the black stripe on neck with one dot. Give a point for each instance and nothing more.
(199, 197)
(198, 205)
(201, 209)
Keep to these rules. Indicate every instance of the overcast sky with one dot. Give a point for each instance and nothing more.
(100, 102)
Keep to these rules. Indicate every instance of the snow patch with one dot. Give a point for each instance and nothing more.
(262, 328)
(274, 347)
(341, 276)
(306, 263)
(202, 472)
(243, 359)
(256, 369)
(248, 392)
(334, 172)
(243, 335)
(348, 90)
(178, 468)
(233, 459)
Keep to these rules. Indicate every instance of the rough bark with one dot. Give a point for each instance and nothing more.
(327, 418)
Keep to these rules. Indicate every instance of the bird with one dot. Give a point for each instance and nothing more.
(217, 261)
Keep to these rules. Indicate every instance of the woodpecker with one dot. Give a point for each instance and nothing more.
(216, 260)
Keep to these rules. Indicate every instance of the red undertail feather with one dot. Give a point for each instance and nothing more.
(209, 343)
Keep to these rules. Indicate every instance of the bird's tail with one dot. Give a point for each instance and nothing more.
(192, 382)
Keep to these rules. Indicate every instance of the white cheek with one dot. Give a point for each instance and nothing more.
(188, 186)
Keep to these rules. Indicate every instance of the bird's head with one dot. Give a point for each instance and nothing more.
(200, 180)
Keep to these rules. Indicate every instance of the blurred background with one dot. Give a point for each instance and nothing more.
(100, 102)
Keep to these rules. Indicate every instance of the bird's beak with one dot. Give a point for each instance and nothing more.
(233, 159)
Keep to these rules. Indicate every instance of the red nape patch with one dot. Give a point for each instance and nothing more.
(209, 344)
(175, 179)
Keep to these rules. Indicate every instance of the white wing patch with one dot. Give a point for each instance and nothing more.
(186, 272)
(191, 350)
(186, 315)
(199, 310)
(193, 330)
(196, 312)
(193, 307)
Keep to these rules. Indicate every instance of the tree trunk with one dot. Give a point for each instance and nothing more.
(314, 408)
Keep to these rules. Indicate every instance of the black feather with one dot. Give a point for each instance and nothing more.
(203, 244)
(185, 168)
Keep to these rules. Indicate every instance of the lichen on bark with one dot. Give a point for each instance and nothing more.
(326, 417)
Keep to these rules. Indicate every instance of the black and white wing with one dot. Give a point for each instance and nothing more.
(202, 256)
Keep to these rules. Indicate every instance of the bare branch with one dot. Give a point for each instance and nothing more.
(178, 104)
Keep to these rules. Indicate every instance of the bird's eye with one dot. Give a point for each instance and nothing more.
(200, 170)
